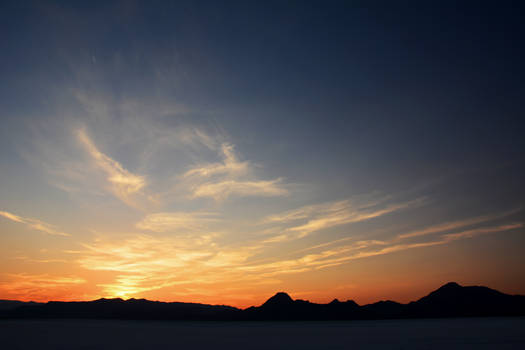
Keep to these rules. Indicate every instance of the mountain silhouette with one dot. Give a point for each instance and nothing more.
(384, 309)
(450, 300)
(13, 304)
(455, 300)
(280, 299)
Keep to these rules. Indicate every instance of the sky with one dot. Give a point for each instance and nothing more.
(220, 152)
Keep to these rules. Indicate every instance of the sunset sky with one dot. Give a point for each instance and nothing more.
(220, 152)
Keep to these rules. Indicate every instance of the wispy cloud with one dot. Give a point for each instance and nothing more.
(361, 249)
(440, 241)
(453, 225)
(176, 221)
(41, 261)
(231, 177)
(172, 161)
(303, 221)
(122, 183)
(230, 165)
(196, 261)
(341, 253)
(479, 231)
(40, 287)
(312, 260)
(218, 180)
(143, 263)
(225, 189)
(306, 212)
(347, 214)
(34, 224)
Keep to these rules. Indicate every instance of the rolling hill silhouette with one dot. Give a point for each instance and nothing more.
(13, 304)
(450, 300)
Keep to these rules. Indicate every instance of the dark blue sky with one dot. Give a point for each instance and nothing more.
(400, 84)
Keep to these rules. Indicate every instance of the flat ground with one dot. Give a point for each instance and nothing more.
(461, 333)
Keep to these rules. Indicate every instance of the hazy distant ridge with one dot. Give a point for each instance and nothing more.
(450, 300)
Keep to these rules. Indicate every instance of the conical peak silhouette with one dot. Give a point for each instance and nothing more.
(446, 291)
(450, 285)
(279, 299)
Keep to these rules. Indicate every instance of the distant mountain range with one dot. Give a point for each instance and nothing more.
(450, 300)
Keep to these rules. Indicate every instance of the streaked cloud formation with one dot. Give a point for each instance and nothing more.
(230, 166)
(34, 224)
(179, 245)
(345, 215)
(122, 183)
(303, 221)
(230, 177)
(144, 263)
(456, 224)
(176, 222)
(41, 287)
(224, 189)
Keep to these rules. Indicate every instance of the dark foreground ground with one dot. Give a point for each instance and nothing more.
(460, 333)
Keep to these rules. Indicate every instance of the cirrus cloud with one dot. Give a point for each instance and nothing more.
(176, 221)
(122, 183)
(34, 224)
